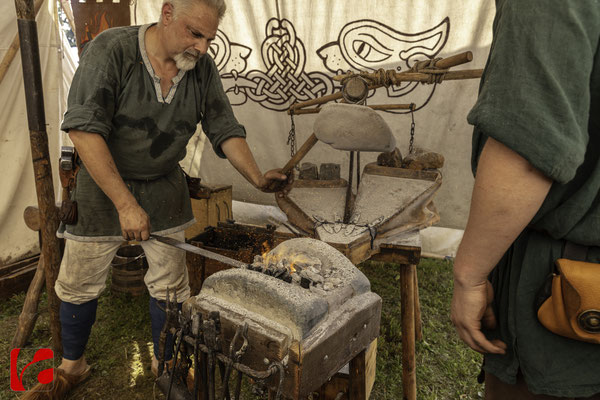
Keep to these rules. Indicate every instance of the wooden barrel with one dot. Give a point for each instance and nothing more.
(128, 269)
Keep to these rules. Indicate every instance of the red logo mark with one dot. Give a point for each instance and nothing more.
(16, 378)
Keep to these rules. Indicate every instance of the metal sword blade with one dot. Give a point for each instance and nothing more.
(198, 250)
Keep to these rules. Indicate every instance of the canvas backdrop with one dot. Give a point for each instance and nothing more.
(271, 54)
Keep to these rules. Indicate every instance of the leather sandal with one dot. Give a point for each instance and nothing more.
(62, 384)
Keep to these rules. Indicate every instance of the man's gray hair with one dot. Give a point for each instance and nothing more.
(179, 5)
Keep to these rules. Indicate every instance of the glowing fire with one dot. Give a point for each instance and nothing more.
(291, 260)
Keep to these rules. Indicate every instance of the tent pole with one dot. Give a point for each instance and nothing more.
(14, 47)
(32, 78)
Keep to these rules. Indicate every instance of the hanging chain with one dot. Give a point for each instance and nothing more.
(411, 147)
(291, 140)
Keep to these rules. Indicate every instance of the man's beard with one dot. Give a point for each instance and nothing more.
(186, 60)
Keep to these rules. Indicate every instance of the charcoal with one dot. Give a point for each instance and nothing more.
(279, 272)
(288, 279)
(305, 282)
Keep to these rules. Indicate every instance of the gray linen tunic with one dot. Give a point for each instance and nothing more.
(116, 94)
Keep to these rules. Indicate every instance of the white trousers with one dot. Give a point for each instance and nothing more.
(85, 266)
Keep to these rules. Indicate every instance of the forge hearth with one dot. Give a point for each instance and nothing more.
(306, 305)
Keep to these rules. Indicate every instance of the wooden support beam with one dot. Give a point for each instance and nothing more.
(407, 309)
(29, 314)
(14, 47)
(32, 79)
(381, 107)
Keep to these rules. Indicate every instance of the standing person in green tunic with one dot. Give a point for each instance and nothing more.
(135, 101)
(536, 149)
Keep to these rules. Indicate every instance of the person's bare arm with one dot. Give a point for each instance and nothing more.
(135, 223)
(507, 194)
(239, 155)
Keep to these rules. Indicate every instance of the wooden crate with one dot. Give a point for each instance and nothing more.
(212, 206)
(15, 277)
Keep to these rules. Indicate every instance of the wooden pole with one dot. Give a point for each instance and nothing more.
(444, 63)
(407, 311)
(32, 79)
(374, 107)
(358, 384)
(29, 314)
(453, 61)
(14, 47)
(400, 77)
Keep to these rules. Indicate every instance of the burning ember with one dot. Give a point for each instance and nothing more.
(296, 268)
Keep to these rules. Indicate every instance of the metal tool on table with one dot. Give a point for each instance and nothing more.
(197, 250)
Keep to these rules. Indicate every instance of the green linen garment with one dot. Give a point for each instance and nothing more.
(116, 94)
(540, 96)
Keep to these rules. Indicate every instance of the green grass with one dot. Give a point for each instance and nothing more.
(120, 344)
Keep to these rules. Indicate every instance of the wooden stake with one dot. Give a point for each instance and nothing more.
(29, 313)
(407, 310)
(32, 79)
(374, 107)
(14, 47)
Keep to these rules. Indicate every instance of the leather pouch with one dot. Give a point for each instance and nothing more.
(573, 306)
(68, 212)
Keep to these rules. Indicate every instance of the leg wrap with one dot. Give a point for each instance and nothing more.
(76, 321)
(158, 318)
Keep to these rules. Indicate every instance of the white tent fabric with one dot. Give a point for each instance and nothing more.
(17, 181)
(272, 53)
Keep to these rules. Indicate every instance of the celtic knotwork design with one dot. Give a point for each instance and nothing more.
(361, 45)
(284, 80)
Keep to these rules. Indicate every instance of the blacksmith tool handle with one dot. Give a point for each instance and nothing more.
(199, 251)
(310, 142)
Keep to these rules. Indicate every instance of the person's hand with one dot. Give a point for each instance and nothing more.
(274, 181)
(135, 223)
(471, 309)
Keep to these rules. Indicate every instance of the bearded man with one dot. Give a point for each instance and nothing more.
(135, 101)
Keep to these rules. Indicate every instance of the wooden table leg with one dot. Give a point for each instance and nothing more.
(418, 321)
(358, 384)
(409, 379)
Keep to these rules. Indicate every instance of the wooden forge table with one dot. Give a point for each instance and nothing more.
(403, 250)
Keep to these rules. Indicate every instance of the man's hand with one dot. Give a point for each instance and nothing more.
(274, 181)
(239, 155)
(472, 310)
(135, 223)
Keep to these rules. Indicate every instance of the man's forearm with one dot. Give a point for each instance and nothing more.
(239, 155)
(99, 163)
(507, 194)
